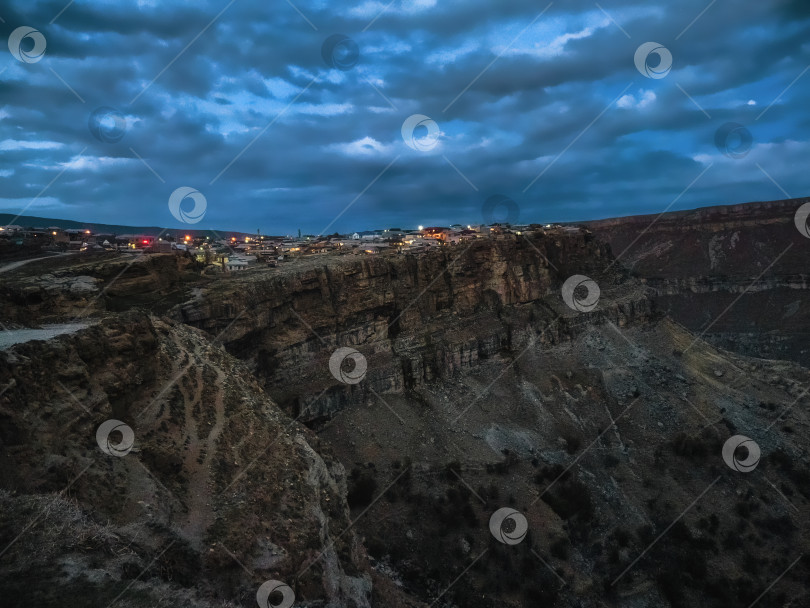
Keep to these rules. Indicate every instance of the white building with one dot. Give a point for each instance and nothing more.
(235, 263)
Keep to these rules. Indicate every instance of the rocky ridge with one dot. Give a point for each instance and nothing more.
(216, 472)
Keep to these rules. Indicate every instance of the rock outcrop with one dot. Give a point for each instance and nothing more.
(220, 492)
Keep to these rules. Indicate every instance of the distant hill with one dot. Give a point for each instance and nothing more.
(33, 221)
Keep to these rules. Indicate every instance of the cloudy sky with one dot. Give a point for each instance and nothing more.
(280, 125)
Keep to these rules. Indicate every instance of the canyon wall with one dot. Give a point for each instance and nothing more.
(698, 263)
(414, 318)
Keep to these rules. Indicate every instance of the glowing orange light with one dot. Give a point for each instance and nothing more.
(188, 238)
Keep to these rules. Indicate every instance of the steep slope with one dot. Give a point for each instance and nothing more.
(220, 492)
(601, 444)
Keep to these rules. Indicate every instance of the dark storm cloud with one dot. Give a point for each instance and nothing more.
(563, 101)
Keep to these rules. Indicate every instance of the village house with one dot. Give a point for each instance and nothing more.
(436, 232)
(237, 263)
(134, 241)
(77, 237)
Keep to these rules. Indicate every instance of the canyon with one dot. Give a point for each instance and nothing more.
(349, 424)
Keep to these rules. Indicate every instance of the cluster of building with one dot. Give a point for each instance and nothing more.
(240, 252)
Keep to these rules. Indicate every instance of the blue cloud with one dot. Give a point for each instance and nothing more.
(236, 100)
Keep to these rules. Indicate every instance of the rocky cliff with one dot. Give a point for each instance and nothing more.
(416, 319)
(699, 262)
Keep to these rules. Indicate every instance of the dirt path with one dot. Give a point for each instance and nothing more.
(202, 447)
(17, 264)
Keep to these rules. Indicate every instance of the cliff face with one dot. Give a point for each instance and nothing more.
(415, 319)
(697, 263)
(731, 240)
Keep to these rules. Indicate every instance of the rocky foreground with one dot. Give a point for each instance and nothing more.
(348, 426)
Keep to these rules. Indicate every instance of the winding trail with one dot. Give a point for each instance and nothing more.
(201, 448)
